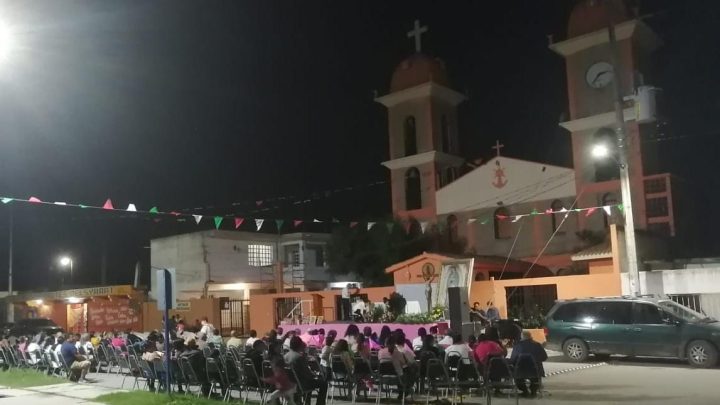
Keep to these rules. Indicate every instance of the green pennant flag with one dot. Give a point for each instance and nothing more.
(82, 206)
(153, 210)
(534, 212)
(279, 223)
(577, 209)
(6, 200)
(621, 207)
(390, 226)
(485, 221)
(218, 221)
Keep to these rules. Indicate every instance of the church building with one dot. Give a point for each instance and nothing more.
(486, 207)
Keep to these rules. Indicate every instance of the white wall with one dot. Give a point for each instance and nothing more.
(681, 281)
(185, 254)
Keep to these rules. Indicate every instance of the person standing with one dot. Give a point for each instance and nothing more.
(492, 313)
(527, 346)
(345, 303)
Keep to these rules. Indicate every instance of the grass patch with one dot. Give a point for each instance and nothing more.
(15, 378)
(149, 398)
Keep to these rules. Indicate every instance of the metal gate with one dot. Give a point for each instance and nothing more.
(235, 315)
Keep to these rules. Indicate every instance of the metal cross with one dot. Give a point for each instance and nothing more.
(417, 33)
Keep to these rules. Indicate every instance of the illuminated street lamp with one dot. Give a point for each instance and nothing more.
(600, 151)
(67, 261)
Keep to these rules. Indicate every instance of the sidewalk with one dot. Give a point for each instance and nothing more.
(72, 393)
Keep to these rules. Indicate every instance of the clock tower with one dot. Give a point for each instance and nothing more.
(422, 127)
(590, 81)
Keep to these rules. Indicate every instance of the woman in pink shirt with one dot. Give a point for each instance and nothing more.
(486, 348)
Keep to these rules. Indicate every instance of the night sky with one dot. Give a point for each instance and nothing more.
(183, 104)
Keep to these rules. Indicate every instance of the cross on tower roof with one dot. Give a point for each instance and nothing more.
(498, 146)
(417, 32)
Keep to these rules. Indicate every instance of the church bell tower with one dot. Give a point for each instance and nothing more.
(422, 127)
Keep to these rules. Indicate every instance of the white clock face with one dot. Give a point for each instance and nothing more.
(599, 75)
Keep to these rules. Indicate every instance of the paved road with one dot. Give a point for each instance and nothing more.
(619, 381)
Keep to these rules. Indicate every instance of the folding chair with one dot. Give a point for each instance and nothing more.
(4, 364)
(305, 392)
(191, 379)
(253, 381)
(498, 376)
(65, 367)
(387, 378)
(437, 378)
(142, 375)
(234, 377)
(342, 378)
(216, 376)
(467, 378)
(527, 369)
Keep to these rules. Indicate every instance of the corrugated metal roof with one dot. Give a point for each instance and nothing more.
(601, 251)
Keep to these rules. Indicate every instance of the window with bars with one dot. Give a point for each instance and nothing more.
(656, 207)
(655, 186)
(260, 255)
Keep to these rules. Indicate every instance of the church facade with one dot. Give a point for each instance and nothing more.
(481, 207)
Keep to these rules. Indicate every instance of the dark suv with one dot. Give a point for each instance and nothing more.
(651, 327)
(30, 327)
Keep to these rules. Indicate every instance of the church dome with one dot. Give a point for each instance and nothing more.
(592, 15)
(418, 69)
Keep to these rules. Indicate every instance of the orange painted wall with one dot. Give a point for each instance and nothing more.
(262, 307)
(412, 274)
(582, 286)
(602, 266)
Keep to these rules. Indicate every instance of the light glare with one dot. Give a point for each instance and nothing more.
(600, 151)
(6, 41)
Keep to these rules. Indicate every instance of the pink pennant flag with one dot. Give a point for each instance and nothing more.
(177, 214)
(549, 211)
(34, 200)
(238, 222)
(590, 211)
(297, 222)
(258, 203)
(108, 205)
(501, 217)
(353, 224)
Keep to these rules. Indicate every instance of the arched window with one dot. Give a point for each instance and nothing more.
(557, 216)
(452, 225)
(609, 199)
(445, 134)
(503, 224)
(606, 168)
(410, 136)
(413, 197)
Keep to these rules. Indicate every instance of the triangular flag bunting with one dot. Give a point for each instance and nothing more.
(258, 203)
(154, 210)
(218, 221)
(317, 221)
(259, 223)
(423, 226)
(590, 211)
(577, 209)
(549, 211)
(131, 208)
(60, 203)
(177, 214)
(501, 217)
(353, 224)
(82, 206)
(297, 222)
(34, 200)
(485, 221)
(279, 223)
(238, 222)
(621, 207)
(606, 208)
(563, 209)
(390, 226)
(6, 200)
(471, 220)
(407, 225)
(198, 218)
(370, 225)
(108, 205)
(534, 212)
(517, 218)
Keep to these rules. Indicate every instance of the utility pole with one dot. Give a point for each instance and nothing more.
(623, 145)
(10, 307)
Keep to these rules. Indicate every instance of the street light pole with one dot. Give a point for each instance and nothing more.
(623, 146)
(10, 317)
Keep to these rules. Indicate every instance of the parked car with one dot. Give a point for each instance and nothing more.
(650, 327)
(29, 327)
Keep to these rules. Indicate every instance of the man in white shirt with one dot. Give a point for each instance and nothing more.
(345, 302)
(251, 340)
(206, 331)
(459, 348)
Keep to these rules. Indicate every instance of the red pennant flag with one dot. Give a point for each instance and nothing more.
(549, 211)
(34, 200)
(590, 211)
(502, 217)
(258, 203)
(297, 222)
(177, 214)
(353, 224)
(108, 205)
(238, 222)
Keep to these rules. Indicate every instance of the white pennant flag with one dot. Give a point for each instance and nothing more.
(423, 226)
(258, 223)
(198, 218)
(370, 225)
(60, 203)
(317, 220)
(517, 218)
(606, 208)
(471, 220)
(131, 208)
(563, 209)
